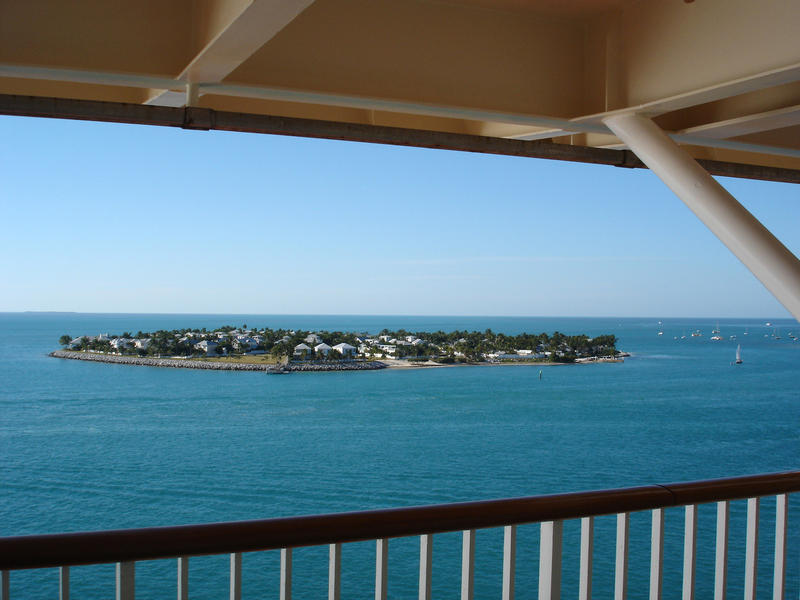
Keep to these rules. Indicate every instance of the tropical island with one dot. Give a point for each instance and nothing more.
(284, 350)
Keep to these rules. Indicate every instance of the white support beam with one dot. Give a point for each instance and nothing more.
(752, 243)
(751, 550)
(334, 571)
(257, 23)
(781, 532)
(236, 576)
(657, 554)
(550, 551)
(621, 557)
(754, 123)
(689, 551)
(63, 583)
(468, 564)
(183, 578)
(509, 560)
(425, 565)
(126, 581)
(721, 554)
(381, 568)
(720, 91)
(585, 565)
(286, 574)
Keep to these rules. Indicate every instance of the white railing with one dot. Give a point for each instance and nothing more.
(125, 547)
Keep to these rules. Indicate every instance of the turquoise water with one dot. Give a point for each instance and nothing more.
(95, 446)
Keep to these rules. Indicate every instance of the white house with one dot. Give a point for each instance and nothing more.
(322, 349)
(300, 348)
(120, 343)
(207, 346)
(142, 344)
(346, 350)
(243, 341)
(313, 338)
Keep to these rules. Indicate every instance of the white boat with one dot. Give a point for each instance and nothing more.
(716, 338)
(716, 329)
(739, 354)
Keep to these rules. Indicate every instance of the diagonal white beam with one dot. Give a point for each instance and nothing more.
(752, 243)
(755, 123)
(257, 23)
(719, 91)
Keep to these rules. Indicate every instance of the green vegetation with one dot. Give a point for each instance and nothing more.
(275, 345)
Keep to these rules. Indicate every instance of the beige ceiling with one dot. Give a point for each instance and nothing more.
(723, 76)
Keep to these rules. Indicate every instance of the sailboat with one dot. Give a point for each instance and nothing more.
(739, 354)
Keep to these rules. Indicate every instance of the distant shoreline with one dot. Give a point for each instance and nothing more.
(181, 363)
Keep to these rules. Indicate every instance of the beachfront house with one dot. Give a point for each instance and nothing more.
(142, 344)
(387, 348)
(207, 346)
(322, 349)
(302, 350)
(346, 350)
(74, 343)
(312, 338)
(244, 342)
(120, 343)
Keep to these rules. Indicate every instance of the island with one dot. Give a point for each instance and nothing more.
(288, 350)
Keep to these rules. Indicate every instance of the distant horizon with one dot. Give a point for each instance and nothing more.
(454, 316)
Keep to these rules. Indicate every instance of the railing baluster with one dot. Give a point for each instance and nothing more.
(621, 559)
(509, 560)
(425, 565)
(126, 580)
(467, 564)
(689, 550)
(5, 586)
(657, 554)
(781, 523)
(381, 568)
(550, 560)
(63, 583)
(751, 550)
(721, 559)
(183, 578)
(286, 574)
(334, 571)
(236, 576)
(587, 550)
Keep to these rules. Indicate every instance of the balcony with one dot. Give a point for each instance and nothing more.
(551, 512)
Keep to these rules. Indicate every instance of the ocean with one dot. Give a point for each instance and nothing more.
(88, 446)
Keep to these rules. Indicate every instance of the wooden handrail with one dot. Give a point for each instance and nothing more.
(52, 550)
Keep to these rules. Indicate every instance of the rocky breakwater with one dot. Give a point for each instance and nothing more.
(334, 366)
(180, 363)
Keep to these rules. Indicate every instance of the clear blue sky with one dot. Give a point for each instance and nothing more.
(121, 218)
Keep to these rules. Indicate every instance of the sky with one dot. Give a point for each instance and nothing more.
(98, 217)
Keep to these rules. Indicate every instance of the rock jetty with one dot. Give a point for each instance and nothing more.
(217, 366)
